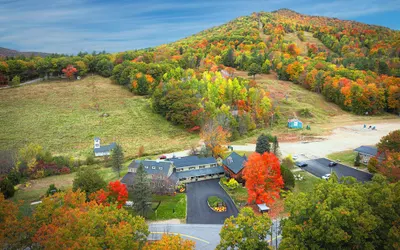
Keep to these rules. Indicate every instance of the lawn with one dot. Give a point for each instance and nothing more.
(346, 157)
(171, 207)
(306, 185)
(238, 195)
(64, 117)
(33, 190)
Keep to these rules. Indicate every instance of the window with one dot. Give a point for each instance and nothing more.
(160, 168)
(191, 168)
(153, 167)
(213, 165)
(182, 179)
(146, 167)
(202, 167)
(179, 169)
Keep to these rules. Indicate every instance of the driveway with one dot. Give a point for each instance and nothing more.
(198, 211)
(319, 167)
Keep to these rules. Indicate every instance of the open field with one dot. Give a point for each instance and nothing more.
(308, 38)
(64, 117)
(325, 116)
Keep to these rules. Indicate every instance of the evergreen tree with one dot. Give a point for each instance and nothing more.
(141, 190)
(229, 58)
(357, 161)
(275, 146)
(7, 188)
(262, 144)
(117, 158)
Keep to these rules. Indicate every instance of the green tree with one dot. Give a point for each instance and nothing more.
(7, 188)
(254, 69)
(262, 145)
(288, 177)
(15, 81)
(357, 161)
(245, 232)
(344, 215)
(89, 181)
(141, 191)
(288, 162)
(229, 58)
(373, 164)
(117, 158)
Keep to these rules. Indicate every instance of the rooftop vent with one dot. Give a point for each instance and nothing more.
(229, 160)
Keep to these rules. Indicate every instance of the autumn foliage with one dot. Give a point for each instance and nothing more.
(69, 221)
(116, 193)
(214, 137)
(69, 71)
(263, 178)
(169, 242)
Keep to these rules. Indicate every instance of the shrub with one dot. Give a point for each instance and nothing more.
(15, 177)
(305, 112)
(232, 184)
(90, 159)
(373, 165)
(52, 190)
(214, 201)
(288, 162)
(15, 81)
(288, 177)
(7, 188)
(61, 161)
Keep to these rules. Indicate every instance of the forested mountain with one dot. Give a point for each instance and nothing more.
(4, 52)
(354, 65)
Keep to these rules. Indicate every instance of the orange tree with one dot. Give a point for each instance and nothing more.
(66, 219)
(263, 178)
(214, 136)
(168, 242)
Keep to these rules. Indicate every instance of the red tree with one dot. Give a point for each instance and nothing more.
(69, 71)
(117, 193)
(263, 178)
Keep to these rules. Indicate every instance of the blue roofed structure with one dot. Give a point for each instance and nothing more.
(367, 150)
(182, 162)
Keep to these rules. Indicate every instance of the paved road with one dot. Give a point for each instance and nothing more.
(206, 237)
(198, 211)
(319, 167)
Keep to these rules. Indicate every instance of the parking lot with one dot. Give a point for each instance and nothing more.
(319, 167)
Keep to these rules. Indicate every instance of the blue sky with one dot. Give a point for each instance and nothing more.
(70, 26)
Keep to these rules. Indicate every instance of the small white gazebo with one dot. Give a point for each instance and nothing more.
(263, 208)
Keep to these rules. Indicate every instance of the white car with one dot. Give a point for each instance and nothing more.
(326, 177)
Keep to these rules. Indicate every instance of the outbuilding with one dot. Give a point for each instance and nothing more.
(263, 208)
(295, 123)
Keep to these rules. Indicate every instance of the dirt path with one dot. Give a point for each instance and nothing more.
(342, 138)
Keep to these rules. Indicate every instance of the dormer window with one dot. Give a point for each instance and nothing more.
(146, 167)
(160, 168)
(153, 167)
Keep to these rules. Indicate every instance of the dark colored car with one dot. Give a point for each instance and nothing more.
(301, 164)
(332, 164)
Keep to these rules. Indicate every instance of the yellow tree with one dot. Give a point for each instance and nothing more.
(168, 242)
(214, 137)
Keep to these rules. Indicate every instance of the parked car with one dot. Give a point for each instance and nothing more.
(332, 164)
(301, 164)
(294, 157)
(163, 157)
(326, 177)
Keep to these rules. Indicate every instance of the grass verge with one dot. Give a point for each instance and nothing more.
(346, 157)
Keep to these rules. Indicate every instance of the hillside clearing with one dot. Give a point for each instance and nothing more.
(65, 116)
(325, 116)
(308, 38)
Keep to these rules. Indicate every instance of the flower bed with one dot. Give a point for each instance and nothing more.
(216, 204)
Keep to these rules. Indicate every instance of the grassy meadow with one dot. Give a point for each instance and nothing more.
(64, 117)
